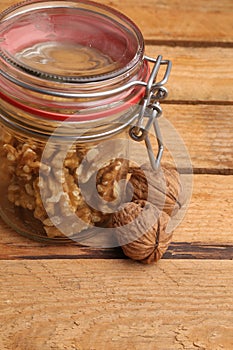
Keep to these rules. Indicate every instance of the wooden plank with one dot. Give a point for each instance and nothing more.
(112, 305)
(176, 21)
(205, 232)
(207, 132)
(179, 20)
(209, 215)
(198, 74)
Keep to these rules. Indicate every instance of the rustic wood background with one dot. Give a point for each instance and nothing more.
(75, 298)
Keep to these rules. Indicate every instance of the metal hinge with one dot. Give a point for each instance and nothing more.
(151, 109)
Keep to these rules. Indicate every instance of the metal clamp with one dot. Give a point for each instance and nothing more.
(155, 92)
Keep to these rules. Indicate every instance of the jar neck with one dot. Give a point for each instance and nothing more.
(59, 101)
(69, 41)
(27, 123)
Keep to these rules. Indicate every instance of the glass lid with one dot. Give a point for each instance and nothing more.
(71, 41)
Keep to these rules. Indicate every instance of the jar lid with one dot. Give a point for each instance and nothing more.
(69, 41)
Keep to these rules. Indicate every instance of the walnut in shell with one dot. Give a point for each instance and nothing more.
(161, 188)
(147, 239)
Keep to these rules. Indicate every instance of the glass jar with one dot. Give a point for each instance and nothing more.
(75, 83)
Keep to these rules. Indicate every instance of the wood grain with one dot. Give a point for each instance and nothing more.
(207, 132)
(206, 129)
(180, 20)
(209, 215)
(205, 232)
(176, 20)
(198, 74)
(112, 305)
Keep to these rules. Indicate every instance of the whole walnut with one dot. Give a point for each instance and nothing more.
(141, 231)
(162, 188)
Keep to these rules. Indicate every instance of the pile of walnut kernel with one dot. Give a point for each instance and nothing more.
(28, 174)
(153, 196)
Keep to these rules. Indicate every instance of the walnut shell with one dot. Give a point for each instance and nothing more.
(147, 237)
(161, 188)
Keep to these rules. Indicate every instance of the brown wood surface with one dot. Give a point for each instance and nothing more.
(198, 74)
(188, 22)
(207, 131)
(92, 305)
(180, 21)
(79, 298)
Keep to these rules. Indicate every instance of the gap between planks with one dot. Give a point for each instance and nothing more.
(176, 251)
(198, 102)
(189, 43)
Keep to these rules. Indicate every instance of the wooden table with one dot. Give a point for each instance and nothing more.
(87, 299)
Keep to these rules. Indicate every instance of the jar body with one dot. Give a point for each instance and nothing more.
(69, 91)
(74, 85)
(46, 181)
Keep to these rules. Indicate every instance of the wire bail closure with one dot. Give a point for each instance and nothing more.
(150, 108)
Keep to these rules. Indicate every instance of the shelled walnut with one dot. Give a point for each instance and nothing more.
(30, 175)
(146, 240)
